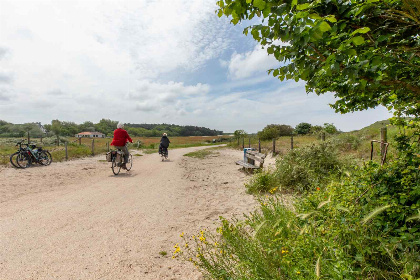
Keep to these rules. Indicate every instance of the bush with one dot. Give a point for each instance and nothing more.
(303, 128)
(273, 131)
(262, 181)
(364, 227)
(305, 168)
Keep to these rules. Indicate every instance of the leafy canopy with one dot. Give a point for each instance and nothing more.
(366, 52)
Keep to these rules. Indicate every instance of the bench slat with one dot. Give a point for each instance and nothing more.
(245, 164)
(255, 153)
(255, 158)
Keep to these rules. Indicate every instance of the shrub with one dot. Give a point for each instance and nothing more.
(303, 128)
(273, 131)
(262, 181)
(307, 167)
(365, 226)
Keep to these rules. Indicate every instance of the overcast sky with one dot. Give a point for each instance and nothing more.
(144, 61)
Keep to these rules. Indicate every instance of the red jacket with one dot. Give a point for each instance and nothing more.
(120, 137)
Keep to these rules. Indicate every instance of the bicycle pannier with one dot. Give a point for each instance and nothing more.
(109, 156)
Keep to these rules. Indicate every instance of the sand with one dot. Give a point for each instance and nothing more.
(76, 220)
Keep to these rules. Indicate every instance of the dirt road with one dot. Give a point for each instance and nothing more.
(76, 220)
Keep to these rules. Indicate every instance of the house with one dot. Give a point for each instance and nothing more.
(90, 134)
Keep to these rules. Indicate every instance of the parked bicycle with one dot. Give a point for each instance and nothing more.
(13, 157)
(25, 157)
(117, 159)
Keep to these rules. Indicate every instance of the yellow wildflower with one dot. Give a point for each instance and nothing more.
(182, 234)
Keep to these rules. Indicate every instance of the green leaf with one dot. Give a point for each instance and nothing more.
(248, 1)
(315, 16)
(331, 18)
(302, 6)
(374, 213)
(294, 3)
(362, 30)
(220, 13)
(260, 4)
(324, 26)
(358, 40)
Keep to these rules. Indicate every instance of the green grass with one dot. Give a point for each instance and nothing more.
(163, 253)
(201, 154)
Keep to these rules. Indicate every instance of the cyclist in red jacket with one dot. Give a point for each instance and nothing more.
(121, 137)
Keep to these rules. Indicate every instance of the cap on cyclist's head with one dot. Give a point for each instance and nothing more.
(120, 125)
(164, 134)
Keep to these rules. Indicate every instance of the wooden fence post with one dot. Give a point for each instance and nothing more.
(80, 140)
(274, 146)
(384, 139)
(58, 140)
(93, 147)
(249, 142)
(29, 138)
(259, 145)
(323, 136)
(291, 142)
(243, 143)
(67, 155)
(41, 138)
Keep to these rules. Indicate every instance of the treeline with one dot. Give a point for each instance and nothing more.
(273, 131)
(106, 126)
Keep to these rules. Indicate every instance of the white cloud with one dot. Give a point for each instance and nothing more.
(247, 64)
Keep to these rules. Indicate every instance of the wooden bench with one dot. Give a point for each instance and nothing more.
(251, 158)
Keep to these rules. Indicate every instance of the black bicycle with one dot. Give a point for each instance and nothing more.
(25, 157)
(13, 157)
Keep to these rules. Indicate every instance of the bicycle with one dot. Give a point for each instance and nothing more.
(164, 154)
(117, 159)
(13, 160)
(32, 154)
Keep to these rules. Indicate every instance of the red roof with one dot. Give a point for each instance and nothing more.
(89, 133)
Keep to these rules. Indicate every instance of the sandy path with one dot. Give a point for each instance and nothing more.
(75, 220)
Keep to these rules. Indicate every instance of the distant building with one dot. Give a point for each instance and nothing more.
(41, 127)
(90, 134)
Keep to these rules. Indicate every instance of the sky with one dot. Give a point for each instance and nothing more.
(147, 61)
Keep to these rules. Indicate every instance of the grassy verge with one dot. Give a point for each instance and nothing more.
(359, 223)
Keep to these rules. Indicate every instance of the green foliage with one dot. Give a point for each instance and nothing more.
(330, 128)
(366, 226)
(263, 181)
(273, 131)
(201, 154)
(303, 128)
(105, 126)
(239, 134)
(308, 167)
(366, 52)
(20, 130)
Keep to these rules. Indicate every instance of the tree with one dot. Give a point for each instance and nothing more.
(273, 131)
(366, 52)
(239, 134)
(106, 126)
(303, 128)
(330, 128)
(56, 127)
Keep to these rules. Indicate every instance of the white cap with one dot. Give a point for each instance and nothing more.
(164, 134)
(120, 125)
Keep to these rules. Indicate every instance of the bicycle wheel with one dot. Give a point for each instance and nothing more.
(45, 158)
(23, 160)
(13, 160)
(115, 168)
(129, 164)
